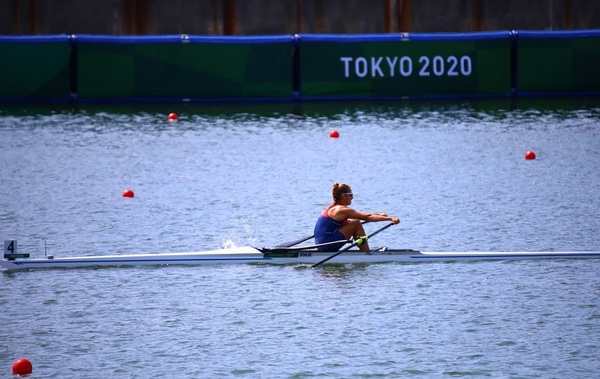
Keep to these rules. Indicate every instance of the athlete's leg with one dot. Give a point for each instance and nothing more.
(354, 228)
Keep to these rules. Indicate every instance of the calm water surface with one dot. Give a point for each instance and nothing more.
(259, 174)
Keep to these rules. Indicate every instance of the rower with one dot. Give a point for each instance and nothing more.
(340, 222)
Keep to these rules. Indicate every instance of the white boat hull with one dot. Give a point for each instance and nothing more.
(280, 256)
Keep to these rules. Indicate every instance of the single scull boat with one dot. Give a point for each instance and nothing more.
(278, 255)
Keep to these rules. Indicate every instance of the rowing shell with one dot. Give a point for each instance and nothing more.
(279, 256)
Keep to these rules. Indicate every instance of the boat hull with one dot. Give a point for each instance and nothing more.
(281, 256)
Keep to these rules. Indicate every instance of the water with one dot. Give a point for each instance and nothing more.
(258, 174)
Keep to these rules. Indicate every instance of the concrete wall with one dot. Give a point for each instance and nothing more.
(263, 17)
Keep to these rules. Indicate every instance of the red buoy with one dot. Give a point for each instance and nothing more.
(334, 134)
(529, 155)
(22, 367)
(173, 117)
(128, 193)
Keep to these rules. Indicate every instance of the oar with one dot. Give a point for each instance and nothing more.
(292, 243)
(358, 241)
(306, 247)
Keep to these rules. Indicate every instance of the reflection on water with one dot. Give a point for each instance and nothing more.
(328, 109)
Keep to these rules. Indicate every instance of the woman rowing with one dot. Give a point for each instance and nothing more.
(339, 222)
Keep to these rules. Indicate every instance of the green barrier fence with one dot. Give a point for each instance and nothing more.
(182, 67)
(312, 66)
(400, 65)
(558, 62)
(35, 68)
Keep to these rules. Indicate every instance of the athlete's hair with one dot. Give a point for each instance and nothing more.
(338, 190)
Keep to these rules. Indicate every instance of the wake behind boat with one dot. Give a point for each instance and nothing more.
(278, 255)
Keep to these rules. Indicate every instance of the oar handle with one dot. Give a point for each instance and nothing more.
(352, 245)
(296, 242)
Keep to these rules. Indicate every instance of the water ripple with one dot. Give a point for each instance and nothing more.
(257, 174)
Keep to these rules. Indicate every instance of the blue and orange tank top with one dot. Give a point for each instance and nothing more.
(327, 229)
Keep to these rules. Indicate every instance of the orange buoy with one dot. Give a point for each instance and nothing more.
(173, 117)
(22, 367)
(529, 155)
(128, 193)
(334, 134)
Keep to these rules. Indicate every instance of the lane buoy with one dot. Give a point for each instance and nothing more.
(22, 367)
(128, 193)
(334, 134)
(172, 117)
(529, 155)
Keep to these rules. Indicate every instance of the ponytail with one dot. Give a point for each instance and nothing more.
(338, 190)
